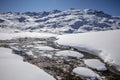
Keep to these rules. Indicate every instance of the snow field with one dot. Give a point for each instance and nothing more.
(12, 67)
(104, 44)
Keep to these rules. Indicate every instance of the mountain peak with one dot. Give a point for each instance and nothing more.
(96, 12)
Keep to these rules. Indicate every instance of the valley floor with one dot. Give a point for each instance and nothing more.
(42, 53)
(51, 60)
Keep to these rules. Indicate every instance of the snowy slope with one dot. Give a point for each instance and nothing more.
(12, 67)
(104, 44)
(68, 21)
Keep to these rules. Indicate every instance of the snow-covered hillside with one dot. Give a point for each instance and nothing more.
(68, 21)
(12, 67)
(104, 44)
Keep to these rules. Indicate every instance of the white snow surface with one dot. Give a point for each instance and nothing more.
(29, 53)
(12, 67)
(85, 72)
(44, 47)
(95, 64)
(7, 36)
(104, 44)
(47, 55)
(6, 53)
(69, 53)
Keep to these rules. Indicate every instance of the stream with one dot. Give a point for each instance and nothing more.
(59, 67)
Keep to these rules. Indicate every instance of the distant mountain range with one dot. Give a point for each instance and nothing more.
(56, 21)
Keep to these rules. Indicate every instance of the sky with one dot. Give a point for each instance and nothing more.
(108, 6)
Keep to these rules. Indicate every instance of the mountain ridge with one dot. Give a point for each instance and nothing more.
(56, 21)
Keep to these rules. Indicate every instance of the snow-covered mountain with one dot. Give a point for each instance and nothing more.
(56, 21)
